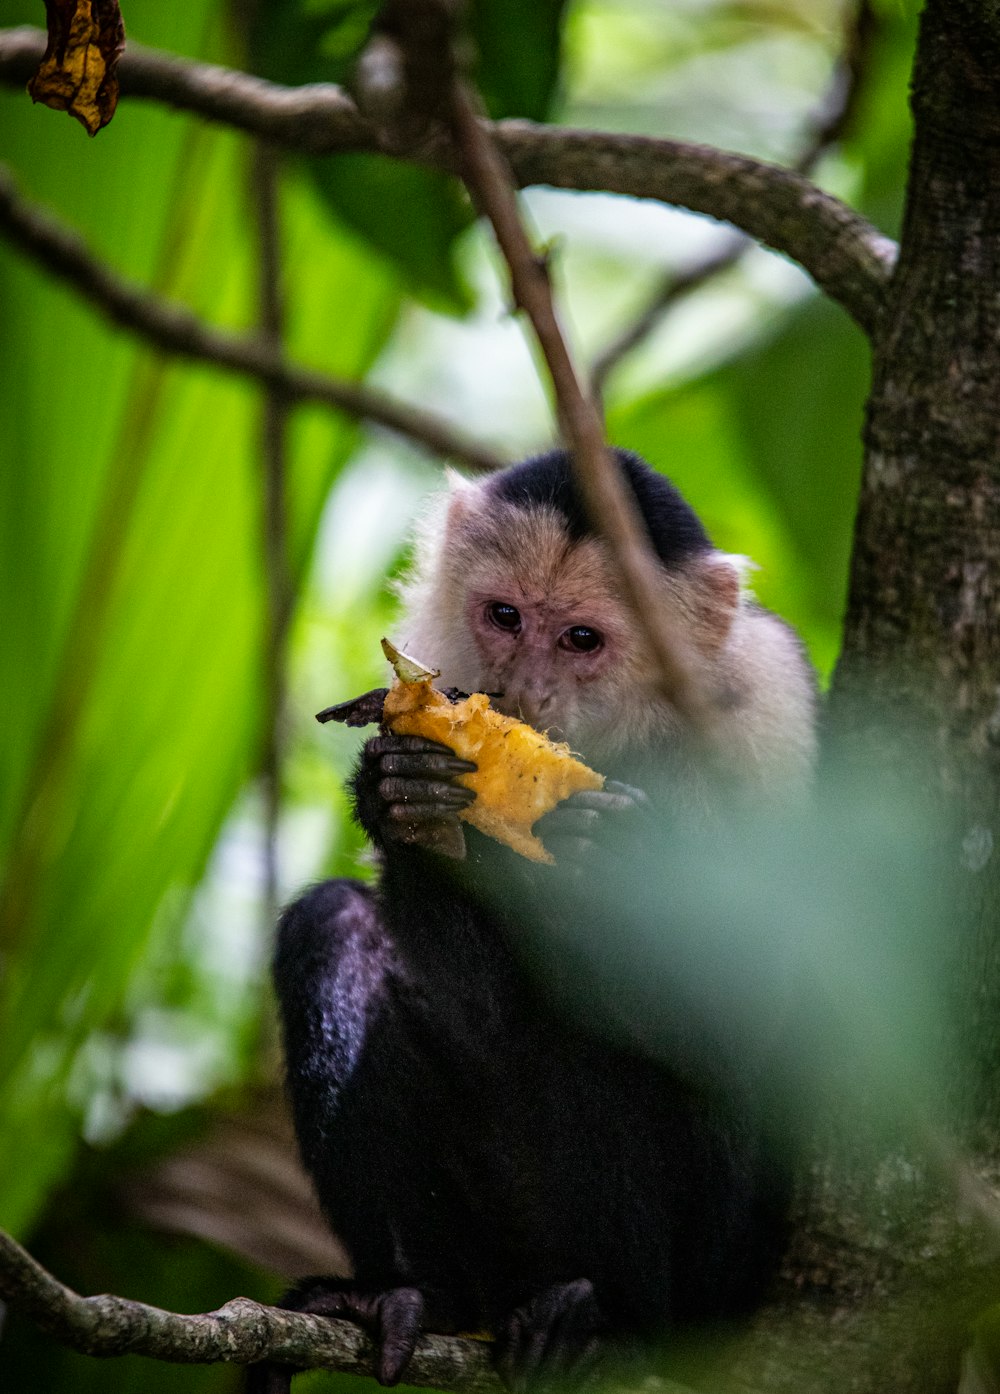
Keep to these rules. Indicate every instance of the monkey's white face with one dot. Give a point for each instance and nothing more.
(503, 600)
(538, 653)
(512, 606)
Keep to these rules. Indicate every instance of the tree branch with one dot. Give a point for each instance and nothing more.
(848, 258)
(431, 87)
(176, 330)
(313, 119)
(242, 1332)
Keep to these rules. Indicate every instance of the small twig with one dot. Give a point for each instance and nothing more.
(176, 330)
(836, 115)
(847, 257)
(242, 1332)
(674, 287)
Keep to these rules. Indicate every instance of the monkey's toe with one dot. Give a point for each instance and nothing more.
(393, 1319)
(553, 1341)
(400, 1322)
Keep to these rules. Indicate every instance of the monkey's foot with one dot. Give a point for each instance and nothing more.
(553, 1340)
(393, 1319)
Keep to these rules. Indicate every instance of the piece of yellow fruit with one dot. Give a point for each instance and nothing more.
(521, 773)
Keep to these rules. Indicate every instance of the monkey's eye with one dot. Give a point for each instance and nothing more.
(504, 616)
(581, 639)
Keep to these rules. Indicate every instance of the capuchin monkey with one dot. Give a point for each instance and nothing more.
(490, 1160)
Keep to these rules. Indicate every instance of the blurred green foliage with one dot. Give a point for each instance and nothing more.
(130, 501)
(132, 579)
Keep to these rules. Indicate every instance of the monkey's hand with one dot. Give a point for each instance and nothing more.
(393, 1320)
(404, 792)
(602, 820)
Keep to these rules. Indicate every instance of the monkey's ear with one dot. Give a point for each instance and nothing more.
(719, 582)
(466, 498)
(456, 482)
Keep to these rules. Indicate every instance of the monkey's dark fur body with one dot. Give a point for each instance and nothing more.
(472, 1143)
(466, 1141)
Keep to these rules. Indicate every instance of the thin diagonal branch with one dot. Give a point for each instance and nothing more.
(242, 1332)
(176, 330)
(429, 68)
(845, 255)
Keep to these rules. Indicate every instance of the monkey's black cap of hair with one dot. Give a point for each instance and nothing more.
(674, 528)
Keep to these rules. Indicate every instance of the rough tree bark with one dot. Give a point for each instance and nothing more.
(886, 1305)
(923, 622)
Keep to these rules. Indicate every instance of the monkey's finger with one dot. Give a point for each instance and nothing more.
(405, 745)
(424, 763)
(359, 711)
(435, 793)
(572, 854)
(613, 798)
(639, 797)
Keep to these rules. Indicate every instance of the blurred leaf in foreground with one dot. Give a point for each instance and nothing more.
(810, 948)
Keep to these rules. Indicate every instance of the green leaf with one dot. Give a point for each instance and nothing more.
(519, 53)
(131, 573)
(410, 216)
(296, 41)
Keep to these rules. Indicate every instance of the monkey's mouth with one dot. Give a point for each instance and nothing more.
(535, 717)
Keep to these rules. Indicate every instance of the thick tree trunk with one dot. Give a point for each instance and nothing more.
(922, 637)
(886, 1277)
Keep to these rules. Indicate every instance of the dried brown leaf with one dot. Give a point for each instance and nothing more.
(78, 72)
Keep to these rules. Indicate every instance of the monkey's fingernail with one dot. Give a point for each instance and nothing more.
(458, 795)
(460, 766)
